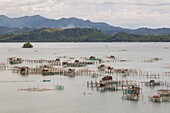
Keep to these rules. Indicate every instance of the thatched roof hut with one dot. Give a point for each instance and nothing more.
(76, 61)
(92, 57)
(107, 78)
(71, 70)
(58, 59)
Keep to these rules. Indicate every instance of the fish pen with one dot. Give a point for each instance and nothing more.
(151, 60)
(3, 66)
(149, 74)
(163, 95)
(166, 73)
(108, 84)
(14, 60)
(34, 89)
(132, 93)
(55, 62)
(153, 83)
(24, 70)
(122, 72)
(77, 63)
(49, 71)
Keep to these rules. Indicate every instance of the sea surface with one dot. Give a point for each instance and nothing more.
(76, 96)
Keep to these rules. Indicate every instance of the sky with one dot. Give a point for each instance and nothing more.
(121, 13)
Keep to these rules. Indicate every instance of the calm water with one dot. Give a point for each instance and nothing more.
(72, 98)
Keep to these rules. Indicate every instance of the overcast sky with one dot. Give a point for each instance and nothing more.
(123, 13)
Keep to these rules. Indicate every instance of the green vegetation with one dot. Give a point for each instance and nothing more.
(79, 35)
(125, 37)
(59, 35)
(27, 45)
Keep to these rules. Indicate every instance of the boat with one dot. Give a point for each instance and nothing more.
(46, 80)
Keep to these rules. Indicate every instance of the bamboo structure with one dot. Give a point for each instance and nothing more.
(14, 60)
(132, 93)
(163, 95)
(108, 84)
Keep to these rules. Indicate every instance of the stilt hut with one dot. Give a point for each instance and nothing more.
(71, 72)
(156, 98)
(132, 93)
(14, 60)
(107, 84)
(153, 83)
(24, 70)
(112, 57)
(162, 96)
(93, 58)
(102, 67)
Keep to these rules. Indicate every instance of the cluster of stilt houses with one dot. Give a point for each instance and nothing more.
(163, 95)
(131, 89)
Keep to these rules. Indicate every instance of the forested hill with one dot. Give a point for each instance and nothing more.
(125, 37)
(79, 35)
(58, 35)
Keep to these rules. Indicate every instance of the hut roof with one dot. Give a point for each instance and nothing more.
(156, 96)
(107, 78)
(152, 81)
(24, 67)
(57, 59)
(77, 61)
(45, 69)
(92, 57)
(102, 65)
(71, 70)
(112, 56)
(12, 58)
(109, 68)
(102, 85)
(65, 63)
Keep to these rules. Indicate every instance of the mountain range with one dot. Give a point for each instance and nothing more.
(28, 23)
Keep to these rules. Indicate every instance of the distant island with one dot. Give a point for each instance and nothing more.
(27, 45)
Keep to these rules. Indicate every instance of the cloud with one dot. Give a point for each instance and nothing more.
(126, 13)
(137, 3)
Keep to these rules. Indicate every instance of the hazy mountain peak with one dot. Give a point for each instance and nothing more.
(87, 20)
(38, 21)
(38, 16)
(73, 18)
(4, 17)
(33, 17)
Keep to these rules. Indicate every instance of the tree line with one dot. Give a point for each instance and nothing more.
(79, 35)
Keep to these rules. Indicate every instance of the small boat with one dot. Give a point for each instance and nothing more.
(46, 81)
